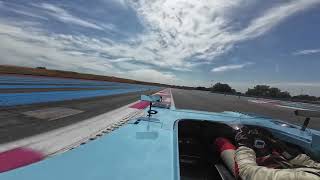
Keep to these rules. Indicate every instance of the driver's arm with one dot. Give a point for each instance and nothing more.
(293, 154)
(304, 160)
(249, 170)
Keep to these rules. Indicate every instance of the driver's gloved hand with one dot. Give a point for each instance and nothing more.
(287, 151)
(243, 137)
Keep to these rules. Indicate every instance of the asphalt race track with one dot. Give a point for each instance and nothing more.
(15, 125)
(21, 97)
(69, 100)
(21, 90)
(207, 101)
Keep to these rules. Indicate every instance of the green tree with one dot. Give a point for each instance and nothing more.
(306, 97)
(222, 88)
(202, 88)
(285, 94)
(267, 91)
(259, 90)
(274, 92)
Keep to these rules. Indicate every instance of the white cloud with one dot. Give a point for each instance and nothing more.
(30, 14)
(307, 52)
(21, 47)
(231, 67)
(180, 29)
(123, 3)
(295, 88)
(152, 75)
(127, 65)
(179, 34)
(65, 16)
(273, 16)
(22, 11)
(311, 84)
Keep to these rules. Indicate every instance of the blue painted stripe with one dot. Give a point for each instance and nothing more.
(26, 79)
(50, 80)
(46, 83)
(54, 82)
(18, 82)
(39, 97)
(40, 78)
(54, 86)
(13, 80)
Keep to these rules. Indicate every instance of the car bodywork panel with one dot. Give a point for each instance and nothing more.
(147, 148)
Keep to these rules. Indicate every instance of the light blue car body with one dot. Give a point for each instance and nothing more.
(146, 149)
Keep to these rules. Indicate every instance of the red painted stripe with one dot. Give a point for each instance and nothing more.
(18, 157)
(140, 105)
(223, 144)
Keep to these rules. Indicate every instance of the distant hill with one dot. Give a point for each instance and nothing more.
(42, 71)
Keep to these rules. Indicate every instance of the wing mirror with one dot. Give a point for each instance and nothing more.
(307, 114)
(151, 98)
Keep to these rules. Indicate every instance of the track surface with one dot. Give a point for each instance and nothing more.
(15, 125)
(31, 105)
(211, 102)
(22, 90)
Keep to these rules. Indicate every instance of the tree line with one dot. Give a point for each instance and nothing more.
(259, 91)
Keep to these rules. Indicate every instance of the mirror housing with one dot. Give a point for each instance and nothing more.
(307, 114)
(151, 98)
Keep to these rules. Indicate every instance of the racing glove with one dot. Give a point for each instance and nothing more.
(287, 151)
(243, 138)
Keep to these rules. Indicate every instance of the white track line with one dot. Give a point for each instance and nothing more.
(68, 137)
(59, 139)
(172, 107)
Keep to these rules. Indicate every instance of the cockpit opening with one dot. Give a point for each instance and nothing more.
(199, 157)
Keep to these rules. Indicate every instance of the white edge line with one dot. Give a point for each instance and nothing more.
(172, 106)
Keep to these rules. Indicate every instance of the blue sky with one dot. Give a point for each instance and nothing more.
(183, 42)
